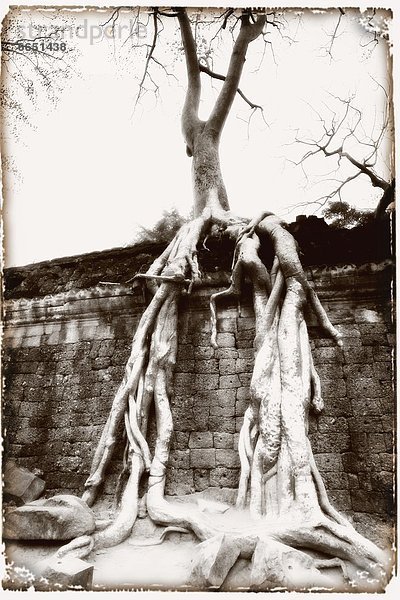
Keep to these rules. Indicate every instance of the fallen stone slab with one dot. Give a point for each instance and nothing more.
(63, 573)
(215, 558)
(20, 484)
(62, 517)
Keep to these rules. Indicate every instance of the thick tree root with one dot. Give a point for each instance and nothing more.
(283, 519)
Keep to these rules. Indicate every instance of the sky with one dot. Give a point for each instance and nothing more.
(86, 167)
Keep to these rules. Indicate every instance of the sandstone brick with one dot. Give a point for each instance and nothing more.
(185, 366)
(387, 462)
(204, 352)
(328, 461)
(353, 482)
(365, 406)
(245, 323)
(185, 352)
(366, 424)
(223, 424)
(227, 458)
(240, 407)
(179, 482)
(224, 477)
(226, 340)
(223, 440)
(383, 371)
(383, 481)
(226, 353)
(206, 381)
(201, 478)
(333, 388)
(201, 439)
(223, 411)
(358, 355)
(336, 442)
(244, 343)
(332, 424)
(206, 366)
(202, 459)
(365, 315)
(229, 381)
(225, 325)
(245, 379)
(328, 355)
(381, 353)
(340, 499)
(227, 366)
(179, 459)
(330, 371)
(244, 365)
(180, 440)
(239, 423)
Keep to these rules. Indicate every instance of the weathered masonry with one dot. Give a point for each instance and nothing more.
(67, 339)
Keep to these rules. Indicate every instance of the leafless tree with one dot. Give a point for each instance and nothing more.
(344, 139)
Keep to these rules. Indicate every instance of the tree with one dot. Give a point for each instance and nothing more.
(355, 148)
(284, 505)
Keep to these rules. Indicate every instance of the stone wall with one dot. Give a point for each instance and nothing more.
(65, 353)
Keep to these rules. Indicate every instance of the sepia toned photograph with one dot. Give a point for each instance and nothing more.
(198, 298)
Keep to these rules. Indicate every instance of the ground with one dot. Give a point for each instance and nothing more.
(167, 566)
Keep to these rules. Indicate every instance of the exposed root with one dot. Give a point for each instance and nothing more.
(283, 514)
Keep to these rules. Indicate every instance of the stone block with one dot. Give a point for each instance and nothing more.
(328, 355)
(204, 352)
(179, 482)
(185, 352)
(229, 381)
(223, 424)
(329, 461)
(223, 440)
(340, 499)
(245, 323)
(368, 423)
(223, 411)
(202, 459)
(363, 388)
(227, 458)
(365, 315)
(226, 340)
(358, 355)
(179, 459)
(383, 371)
(20, 485)
(201, 439)
(332, 424)
(244, 365)
(333, 388)
(387, 462)
(67, 572)
(227, 325)
(226, 353)
(201, 478)
(206, 382)
(365, 406)
(215, 558)
(207, 366)
(62, 517)
(227, 366)
(224, 477)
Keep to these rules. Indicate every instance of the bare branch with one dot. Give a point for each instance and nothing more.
(248, 33)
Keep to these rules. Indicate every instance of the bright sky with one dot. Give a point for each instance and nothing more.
(90, 168)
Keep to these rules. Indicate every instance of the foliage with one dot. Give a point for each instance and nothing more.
(341, 215)
(163, 230)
